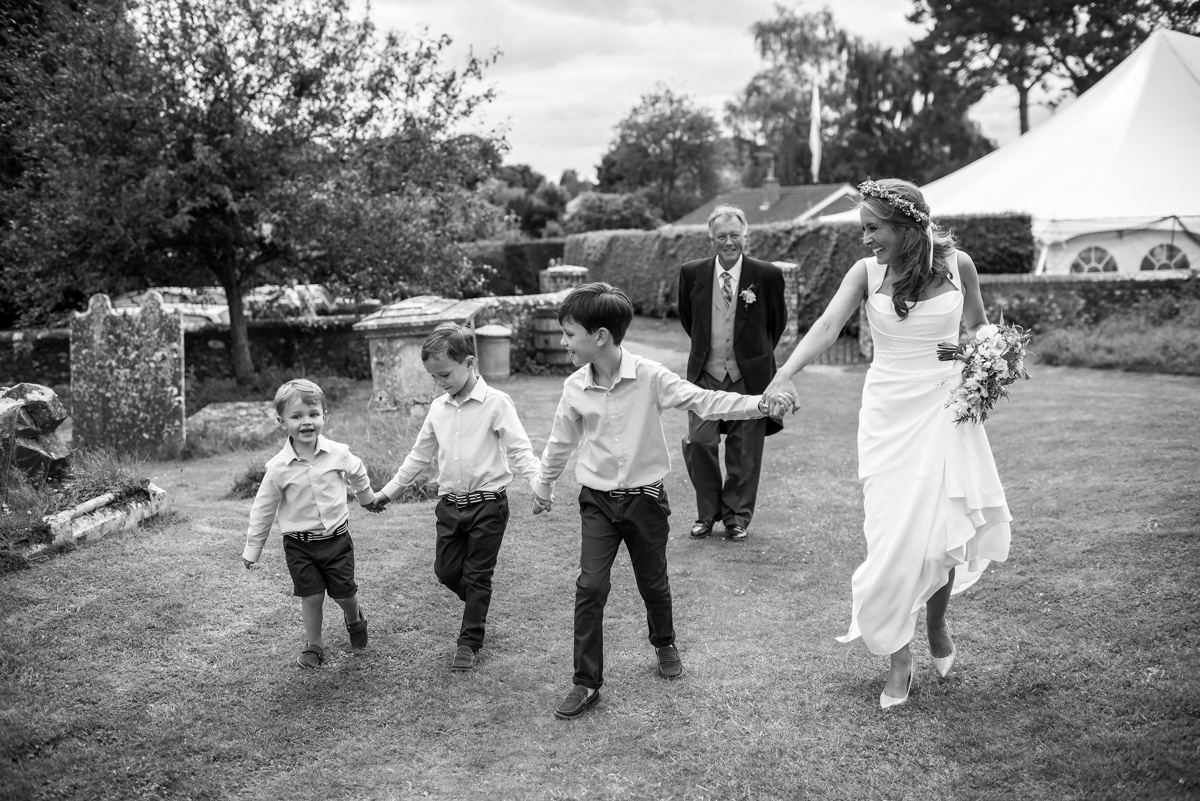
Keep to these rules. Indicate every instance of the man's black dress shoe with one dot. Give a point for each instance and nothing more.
(576, 702)
(701, 529)
(736, 533)
(669, 664)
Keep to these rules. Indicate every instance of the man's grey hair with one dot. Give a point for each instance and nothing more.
(726, 210)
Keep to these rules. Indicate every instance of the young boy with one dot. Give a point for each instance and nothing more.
(611, 409)
(304, 489)
(479, 442)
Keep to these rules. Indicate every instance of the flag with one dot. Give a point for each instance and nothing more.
(814, 135)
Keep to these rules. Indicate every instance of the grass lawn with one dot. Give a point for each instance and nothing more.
(153, 665)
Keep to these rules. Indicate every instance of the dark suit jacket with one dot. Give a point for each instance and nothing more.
(757, 326)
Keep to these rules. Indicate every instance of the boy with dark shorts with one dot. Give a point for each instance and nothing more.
(479, 443)
(610, 413)
(304, 490)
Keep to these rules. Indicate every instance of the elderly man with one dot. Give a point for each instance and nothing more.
(732, 307)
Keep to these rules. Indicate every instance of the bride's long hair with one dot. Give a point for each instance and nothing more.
(924, 247)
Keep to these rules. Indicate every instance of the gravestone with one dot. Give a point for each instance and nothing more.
(127, 379)
(395, 334)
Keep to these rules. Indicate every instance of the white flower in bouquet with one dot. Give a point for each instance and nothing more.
(992, 360)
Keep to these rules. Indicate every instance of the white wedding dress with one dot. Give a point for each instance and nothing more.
(932, 496)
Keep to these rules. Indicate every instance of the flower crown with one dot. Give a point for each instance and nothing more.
(894, 200)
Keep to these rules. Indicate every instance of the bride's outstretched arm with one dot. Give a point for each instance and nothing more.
(824, 332)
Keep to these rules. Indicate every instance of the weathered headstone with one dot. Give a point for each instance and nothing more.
(395, 334)
(127, 379)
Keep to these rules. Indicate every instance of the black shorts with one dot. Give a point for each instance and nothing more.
(321, 566)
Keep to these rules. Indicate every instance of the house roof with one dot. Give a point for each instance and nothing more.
(794, 203)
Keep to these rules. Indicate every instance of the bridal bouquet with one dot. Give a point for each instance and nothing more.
(992, 359)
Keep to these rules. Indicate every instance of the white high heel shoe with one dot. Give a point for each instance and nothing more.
(942, 664)
(887, 702)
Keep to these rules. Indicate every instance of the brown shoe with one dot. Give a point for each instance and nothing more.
(701, 529)
(736, 533)
(311, 656)
(358, 632)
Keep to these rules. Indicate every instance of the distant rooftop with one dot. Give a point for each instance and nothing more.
(772, 203)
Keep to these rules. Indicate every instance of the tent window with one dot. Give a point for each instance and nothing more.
(1094, 260)
(1165, 257)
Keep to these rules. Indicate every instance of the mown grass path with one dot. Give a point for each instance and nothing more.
(153, 665)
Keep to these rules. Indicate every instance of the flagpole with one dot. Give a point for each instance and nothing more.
(814, 135)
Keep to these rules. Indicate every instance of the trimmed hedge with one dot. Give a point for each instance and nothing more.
(998, 244)
(646, 263)
(1047, 302)
(515, 265)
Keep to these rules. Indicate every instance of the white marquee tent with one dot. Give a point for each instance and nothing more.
(1112, 181)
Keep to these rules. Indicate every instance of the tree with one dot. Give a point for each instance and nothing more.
(599, 211)
(667, 147)
(573, 184)
(273, 140)
(74, 150)
(528, 198)
(773, 112)
(883, 112)
(1025, 43)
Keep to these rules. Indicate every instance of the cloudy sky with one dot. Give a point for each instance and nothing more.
(570, 70)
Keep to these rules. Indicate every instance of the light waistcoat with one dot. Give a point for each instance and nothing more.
(721, 362)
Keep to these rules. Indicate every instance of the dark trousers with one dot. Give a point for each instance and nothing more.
(468, 543)
(732, 500)
(641, 522)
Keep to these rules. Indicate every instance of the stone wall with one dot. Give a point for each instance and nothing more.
(516, 313)
(321, 345)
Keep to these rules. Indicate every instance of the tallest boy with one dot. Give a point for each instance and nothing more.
(732, 307)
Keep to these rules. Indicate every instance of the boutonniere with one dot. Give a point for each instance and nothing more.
(748, 296)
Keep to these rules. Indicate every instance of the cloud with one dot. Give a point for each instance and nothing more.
(571, 70)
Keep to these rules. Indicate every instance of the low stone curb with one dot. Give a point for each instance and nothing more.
(93, 519)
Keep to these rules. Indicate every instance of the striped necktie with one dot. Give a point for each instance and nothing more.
(727, 287)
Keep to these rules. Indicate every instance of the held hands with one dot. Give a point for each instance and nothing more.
(780, 397)
(247, 563)
(540, 505)
(378, 505)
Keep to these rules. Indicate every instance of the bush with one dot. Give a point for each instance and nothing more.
(1001, 243)
(1047, 302)
(1146, 338)
(514, 266)
(599, 211)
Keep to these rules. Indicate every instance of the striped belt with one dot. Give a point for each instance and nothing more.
(654, 490)
(313, 536)
(469, 498)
